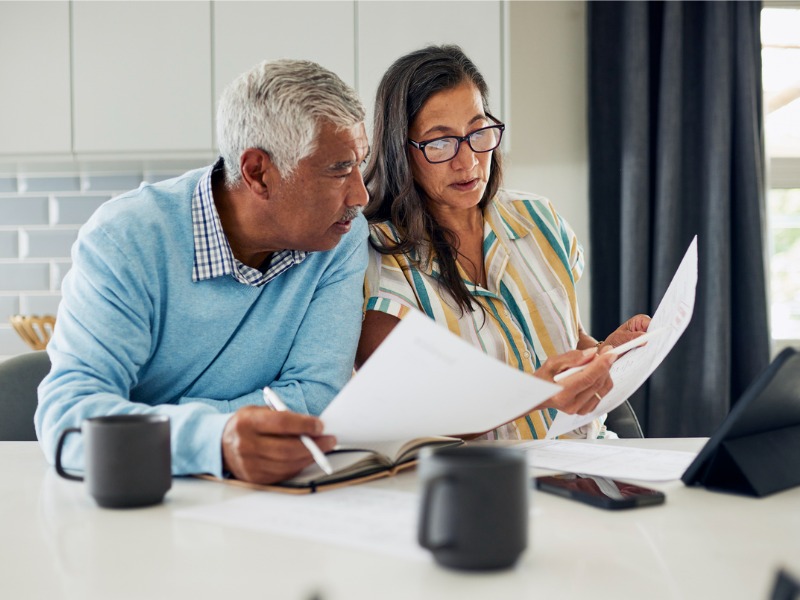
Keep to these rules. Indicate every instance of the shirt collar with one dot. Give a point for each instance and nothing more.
(511, 222)
(498, 219)
(213, 256)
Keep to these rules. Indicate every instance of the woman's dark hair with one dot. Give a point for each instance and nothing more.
(394, 196)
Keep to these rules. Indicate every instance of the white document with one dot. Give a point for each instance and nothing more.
(607, 460)
(425, 381)
(360, 517)
(632, 369)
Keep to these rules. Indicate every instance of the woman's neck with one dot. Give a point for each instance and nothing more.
(465, 223)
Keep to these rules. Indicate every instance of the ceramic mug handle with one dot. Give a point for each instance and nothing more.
(425, 512)
(59, 469)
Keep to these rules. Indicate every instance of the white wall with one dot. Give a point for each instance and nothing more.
(548, 154)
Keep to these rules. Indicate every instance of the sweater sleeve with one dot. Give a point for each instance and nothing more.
(103, 336)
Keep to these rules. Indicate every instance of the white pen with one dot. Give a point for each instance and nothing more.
(272, 399)
(621, 349)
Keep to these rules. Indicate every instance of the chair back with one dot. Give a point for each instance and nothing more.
(34, 330)
(19, 378)
(622, 421)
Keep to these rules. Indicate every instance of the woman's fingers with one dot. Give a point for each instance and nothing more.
(583, 391)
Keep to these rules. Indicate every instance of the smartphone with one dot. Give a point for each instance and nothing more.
(599, 491)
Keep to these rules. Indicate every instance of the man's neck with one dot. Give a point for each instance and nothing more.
(233, 209)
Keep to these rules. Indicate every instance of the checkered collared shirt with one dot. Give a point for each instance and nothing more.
(213, 256)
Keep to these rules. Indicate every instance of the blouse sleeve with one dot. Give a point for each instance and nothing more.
(572, 246)
(386, 288)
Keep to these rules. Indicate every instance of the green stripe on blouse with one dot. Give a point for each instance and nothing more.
(422, 293)
(523, 324)
(553, 241)
(509, 337)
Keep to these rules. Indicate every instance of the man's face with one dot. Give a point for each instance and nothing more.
(314, 206)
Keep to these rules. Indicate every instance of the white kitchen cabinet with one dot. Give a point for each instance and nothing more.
(245, 33)
(34, 78)
(86, 78)
(387, 30)
(141, 76)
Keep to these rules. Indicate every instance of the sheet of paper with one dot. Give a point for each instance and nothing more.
(607, 460)
(368, 519)
(632, 369)
(425, 381)
(364, 518)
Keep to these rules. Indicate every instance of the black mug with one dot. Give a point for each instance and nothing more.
(474, 511)
(127, 459)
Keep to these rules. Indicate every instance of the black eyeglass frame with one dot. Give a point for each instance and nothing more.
(466, 138)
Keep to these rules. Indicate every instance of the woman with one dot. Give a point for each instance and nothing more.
(497, 268)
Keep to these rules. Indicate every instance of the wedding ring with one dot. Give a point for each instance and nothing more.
(599, 397)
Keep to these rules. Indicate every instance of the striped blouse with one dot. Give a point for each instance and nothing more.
(532, 261)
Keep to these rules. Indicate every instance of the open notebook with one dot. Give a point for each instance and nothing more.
(421, 384)
(353, 465)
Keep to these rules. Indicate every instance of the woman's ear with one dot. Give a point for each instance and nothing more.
(257, 171)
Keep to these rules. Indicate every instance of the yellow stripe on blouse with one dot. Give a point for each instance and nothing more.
(529, 307)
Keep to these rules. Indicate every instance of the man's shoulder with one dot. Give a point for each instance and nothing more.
(150, 207)
(151, 225)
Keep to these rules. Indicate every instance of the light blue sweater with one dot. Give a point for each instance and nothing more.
(134, 334)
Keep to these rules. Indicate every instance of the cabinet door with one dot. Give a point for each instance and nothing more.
(245, 33)
(34, 77)
(142, 76)
(475, 26)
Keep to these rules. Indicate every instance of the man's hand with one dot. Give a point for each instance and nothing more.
(261, 445)
(582, 391)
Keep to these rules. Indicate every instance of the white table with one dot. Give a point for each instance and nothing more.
(55, 543)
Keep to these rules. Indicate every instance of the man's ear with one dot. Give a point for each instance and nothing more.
(258, 171)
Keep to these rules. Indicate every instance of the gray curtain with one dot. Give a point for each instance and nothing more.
(676, 150)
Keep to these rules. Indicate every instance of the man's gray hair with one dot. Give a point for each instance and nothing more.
(278, 106)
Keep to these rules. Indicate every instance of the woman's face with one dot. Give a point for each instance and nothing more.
(460, 182)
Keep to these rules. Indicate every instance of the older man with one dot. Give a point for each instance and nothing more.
(187, 297)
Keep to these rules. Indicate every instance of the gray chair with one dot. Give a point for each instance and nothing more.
(19, 378)
(622, 421)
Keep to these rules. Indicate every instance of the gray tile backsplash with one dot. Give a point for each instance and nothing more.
(40, 215)
(9, 306)
(47, 243)
(74, 209)
(38, 183)
(24, 210)
(24, 276)
(111, 183)
(11, 343)
(58, 269)
(9, 244)
(42, 304)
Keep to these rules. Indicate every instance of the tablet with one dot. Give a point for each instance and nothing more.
(754, 451)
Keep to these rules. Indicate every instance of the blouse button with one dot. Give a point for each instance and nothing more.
(526, 354)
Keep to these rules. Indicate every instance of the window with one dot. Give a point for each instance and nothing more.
(780, 38)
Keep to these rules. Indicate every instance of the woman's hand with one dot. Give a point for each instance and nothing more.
(630, 329)
(582, 391)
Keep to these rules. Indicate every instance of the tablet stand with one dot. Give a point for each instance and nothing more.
(756, 449)
(756, 465)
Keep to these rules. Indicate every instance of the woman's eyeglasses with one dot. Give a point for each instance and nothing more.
(446, 148)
